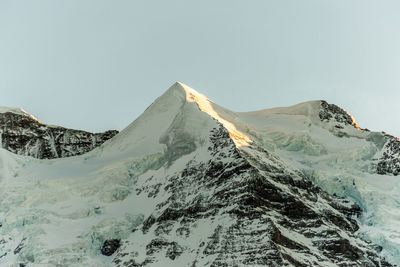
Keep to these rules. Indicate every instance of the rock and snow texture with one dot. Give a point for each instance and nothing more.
(241, 208)
(23, 134)
(190, 183)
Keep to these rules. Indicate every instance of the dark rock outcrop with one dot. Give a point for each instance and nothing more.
(110, 246)
(389, 162)
(24, 135)
(331, 111)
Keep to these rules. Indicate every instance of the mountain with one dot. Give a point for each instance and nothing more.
(23, 134)
(190, 183)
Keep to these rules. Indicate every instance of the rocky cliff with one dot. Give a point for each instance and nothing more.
(25, 135)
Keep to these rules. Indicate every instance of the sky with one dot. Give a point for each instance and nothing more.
(96, 65)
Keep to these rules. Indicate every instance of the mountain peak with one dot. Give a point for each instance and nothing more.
(310, 190)
(176, 93)
(205, 105)
(185, 94)
(329, 111)
(18, 111)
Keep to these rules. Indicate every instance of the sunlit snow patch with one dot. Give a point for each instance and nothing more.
(205, 105)
(18, 111)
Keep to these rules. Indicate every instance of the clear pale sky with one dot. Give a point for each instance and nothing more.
(97, 65)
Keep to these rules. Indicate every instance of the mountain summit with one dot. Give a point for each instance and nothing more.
(190, 183)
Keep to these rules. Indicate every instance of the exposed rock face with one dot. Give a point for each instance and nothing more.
(389, 163)
(24, 135)
(243, 207)
(110, 246)
(331, 111)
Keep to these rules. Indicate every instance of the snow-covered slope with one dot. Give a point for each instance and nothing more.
(190, 183)
(23, 134)
(17, 111)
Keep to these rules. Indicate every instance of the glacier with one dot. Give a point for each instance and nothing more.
(144, 187)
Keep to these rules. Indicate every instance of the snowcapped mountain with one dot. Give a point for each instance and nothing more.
(190, 183)
(23, 134)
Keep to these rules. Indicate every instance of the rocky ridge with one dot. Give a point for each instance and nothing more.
(388, 161)
(23, 134)
(332, 111)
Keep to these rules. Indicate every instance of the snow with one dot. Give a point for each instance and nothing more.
(17, 111)
(66, 208)
(206, 106)
(340, 165)
(12, 110)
